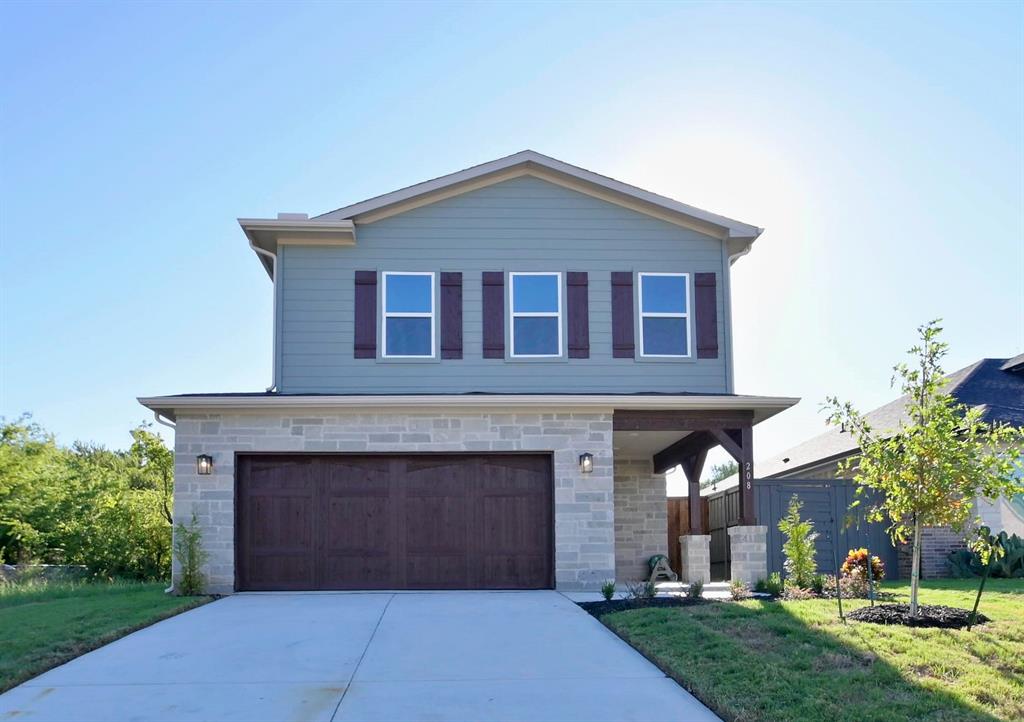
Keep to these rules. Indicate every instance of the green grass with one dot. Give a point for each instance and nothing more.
(784, 661)
(43, 625)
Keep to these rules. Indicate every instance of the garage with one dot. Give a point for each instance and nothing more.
(382, 521)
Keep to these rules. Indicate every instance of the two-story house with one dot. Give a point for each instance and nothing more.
(478, 382)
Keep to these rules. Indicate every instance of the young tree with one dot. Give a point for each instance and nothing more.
(932, 467)
(799, 545)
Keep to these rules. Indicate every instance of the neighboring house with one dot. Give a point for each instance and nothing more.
(478, 382)
(995, 386)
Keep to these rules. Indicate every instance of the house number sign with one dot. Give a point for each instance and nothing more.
(748, 472)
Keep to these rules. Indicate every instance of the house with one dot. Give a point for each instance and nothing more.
(995, 386)
(478, 382)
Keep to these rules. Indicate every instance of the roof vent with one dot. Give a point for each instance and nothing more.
(293, 216)
(786, 460)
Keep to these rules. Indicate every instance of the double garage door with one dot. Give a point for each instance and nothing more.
(427, 521)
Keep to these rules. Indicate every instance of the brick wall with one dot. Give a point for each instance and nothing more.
(584, 508)
(641, 519)
(936, 544)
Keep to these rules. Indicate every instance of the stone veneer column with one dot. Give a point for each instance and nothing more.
(748, 551)
(695, 558)
(641, 517)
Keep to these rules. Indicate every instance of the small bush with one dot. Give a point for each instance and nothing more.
(966, 563)
(739, 590)
(695, 590)
(818, 584)
(853, 586)
(608, 590)
(799, 545)
(797, 594)
(857, 561)
(772, 585)
(188, 550)
(640, 591)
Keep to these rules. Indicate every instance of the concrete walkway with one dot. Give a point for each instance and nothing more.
(459, 656)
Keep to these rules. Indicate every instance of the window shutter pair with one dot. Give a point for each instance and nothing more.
(705, 309)
(365, 332)
(577, 314)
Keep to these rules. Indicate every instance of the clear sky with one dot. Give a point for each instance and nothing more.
(880, 145)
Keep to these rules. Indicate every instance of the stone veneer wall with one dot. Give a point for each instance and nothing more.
(584, 507)
(641, 518)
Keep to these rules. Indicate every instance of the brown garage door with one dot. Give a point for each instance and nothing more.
(428, 521)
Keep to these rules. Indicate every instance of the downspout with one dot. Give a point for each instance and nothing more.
(732, 258)
(273, 277)
(160, 420)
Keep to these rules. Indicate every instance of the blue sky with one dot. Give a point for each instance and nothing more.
(881, 145)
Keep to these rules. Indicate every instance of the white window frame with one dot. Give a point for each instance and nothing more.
(385, 315)
(656, 314)
(513, 315)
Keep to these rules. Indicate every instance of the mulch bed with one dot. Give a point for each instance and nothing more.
(598, 609)
(929, 615)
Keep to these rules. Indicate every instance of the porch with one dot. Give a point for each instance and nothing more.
(648, 444)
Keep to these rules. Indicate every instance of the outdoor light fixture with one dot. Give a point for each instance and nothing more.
(204, 464)
(586, 462)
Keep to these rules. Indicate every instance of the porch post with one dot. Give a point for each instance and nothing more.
(748, 514)
(692, 467)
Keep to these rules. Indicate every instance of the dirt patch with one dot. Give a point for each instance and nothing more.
(929, 615)
(599, 609)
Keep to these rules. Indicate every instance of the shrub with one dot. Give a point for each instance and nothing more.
(857, 561)
(608, 590)
(967, 563)
(799, 545)
(188, 550)
(695, 590)
(739, 589)
(797, 594)
(818, 584)
(772, 585)
(852, 586)
(640, 591)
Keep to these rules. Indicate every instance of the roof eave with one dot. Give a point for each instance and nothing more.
(764, 407)
(267, 235)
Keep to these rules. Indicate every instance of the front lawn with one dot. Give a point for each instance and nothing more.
(782, 661)
(43, 625)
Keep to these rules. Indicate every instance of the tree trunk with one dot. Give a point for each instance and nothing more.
(915, 569)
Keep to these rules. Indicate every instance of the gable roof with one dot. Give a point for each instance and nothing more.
(262, 233)
(989, 384)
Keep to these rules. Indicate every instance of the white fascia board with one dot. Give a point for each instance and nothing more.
(265, 235)
(734, 229)
(762, 406)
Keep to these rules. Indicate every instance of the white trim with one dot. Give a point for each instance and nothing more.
(385, 315)
(657, 314)
(513, 314)
(766, 405)
(730, 228)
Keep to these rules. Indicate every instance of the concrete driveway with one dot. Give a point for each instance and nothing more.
(408, 656)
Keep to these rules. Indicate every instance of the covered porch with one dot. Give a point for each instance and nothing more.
(650, 443)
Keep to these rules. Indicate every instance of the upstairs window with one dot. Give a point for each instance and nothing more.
(665, 315)
(536, 319)
(408, 321)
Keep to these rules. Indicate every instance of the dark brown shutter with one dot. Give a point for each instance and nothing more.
(578, 314)
(494, 314)
(451, 315)
(365, 334)
(623, 345)
(707, 314)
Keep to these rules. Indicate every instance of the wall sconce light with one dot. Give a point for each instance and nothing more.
(586, 462)
(204, 464)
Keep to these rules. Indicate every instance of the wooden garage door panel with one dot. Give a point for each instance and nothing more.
(278, 542)
(451, 521)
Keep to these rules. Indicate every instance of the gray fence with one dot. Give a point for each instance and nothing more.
(827, 504)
